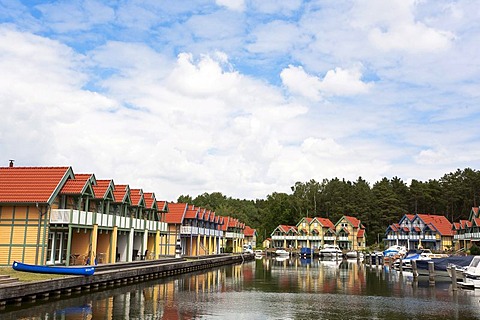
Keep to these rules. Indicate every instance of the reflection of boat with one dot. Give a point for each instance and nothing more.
(281, 252)
(81, 271)
(354, 255)
(259, 252)
(281, 258)
(330, 251)
(81, 310)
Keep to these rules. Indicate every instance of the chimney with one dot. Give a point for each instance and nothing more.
(11, 163)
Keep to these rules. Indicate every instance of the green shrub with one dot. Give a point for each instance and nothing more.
(474, 250)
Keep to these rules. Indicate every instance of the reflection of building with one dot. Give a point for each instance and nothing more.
(49, 215)
(421, 230)
(348, 233)
(467, 232)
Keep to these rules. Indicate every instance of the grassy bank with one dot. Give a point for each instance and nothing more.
(28, 276)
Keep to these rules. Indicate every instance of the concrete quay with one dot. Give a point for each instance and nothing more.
(110, 275)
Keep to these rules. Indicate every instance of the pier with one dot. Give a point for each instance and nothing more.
(109, 275)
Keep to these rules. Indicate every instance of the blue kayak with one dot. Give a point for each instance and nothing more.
(79, 271)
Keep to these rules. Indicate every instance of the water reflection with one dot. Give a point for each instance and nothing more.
(268, 288)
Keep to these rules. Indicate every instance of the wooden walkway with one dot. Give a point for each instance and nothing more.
(110, 275)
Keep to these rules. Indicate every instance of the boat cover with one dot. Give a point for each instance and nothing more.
(442, 263)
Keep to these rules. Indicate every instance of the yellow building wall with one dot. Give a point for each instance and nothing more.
(19, 233)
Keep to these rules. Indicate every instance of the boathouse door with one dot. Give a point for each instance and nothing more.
(57, 247)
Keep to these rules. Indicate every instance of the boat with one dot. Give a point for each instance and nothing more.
(330, 251)
(281, 252)
(306, 252)
(442, 266)
(395, 250)
(80, 271)
(412, 254)
(471, 276)
(354, 255)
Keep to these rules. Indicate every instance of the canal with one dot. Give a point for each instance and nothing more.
(266, 288)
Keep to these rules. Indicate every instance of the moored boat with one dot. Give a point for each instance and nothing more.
(330, 251)
(471, 275)
(80, 271)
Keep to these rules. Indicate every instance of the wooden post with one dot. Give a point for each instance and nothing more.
(376, 260)
(454, 278)
(400, 266)
(414, 269)
(431, 272)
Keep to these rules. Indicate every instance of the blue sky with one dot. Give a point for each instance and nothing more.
(237, 96)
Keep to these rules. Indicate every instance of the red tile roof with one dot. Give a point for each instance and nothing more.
(249, 232)
(32, 184)
(102, 187)
(353, 221)
(361, 233)
(176, 213)
(78, 185)
(192, 212)
(150, 202)
(121, 193)
(162, 205)
(136, 195)
(441, 223)
(325, 222)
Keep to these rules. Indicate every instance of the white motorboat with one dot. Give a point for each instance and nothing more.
(330, 251)
(471, 276)
(395, 251)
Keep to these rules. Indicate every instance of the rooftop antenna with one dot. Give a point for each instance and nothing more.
(11, 163)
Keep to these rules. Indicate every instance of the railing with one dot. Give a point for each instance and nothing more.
(86, 218)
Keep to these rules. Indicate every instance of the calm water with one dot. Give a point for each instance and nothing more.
(267, 289)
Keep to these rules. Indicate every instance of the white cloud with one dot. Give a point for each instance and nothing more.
(236, 5)
(336, 82)
(392, 25)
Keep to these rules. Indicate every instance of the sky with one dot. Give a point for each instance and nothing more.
(242, 97)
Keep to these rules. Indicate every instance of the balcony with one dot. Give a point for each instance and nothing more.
(86, 218)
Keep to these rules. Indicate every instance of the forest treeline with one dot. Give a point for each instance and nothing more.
(377, 206)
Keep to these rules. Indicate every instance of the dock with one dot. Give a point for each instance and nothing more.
(111, 275)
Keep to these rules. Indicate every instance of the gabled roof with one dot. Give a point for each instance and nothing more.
(325, 222)
(192, 212)
(354, 222)
(136, 195)
(82, 184)
(249, 232)
(176, 213)
(440, 223)
(122, 193)
(473, 213)
(409, 217)
(32, 184)
(162, 206)
(361, 233)
(305, 219)
(150, 202)
(104, 189)
(456, 226)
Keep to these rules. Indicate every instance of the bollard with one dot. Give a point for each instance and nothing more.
(414, 269)
(431, 272)
(454, 277)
